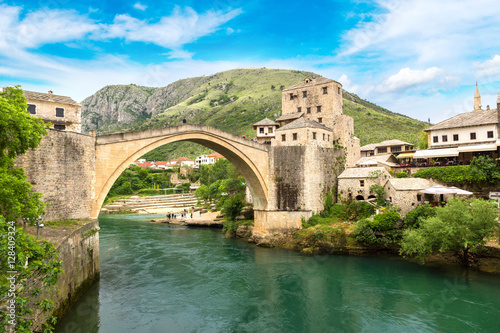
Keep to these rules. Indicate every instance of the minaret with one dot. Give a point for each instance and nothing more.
(477, 100)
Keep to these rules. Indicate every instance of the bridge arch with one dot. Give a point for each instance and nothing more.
(115, 152)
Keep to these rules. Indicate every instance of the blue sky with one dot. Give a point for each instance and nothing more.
(420, 58)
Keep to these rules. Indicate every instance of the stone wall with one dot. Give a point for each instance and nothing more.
(62, 168)
(47, 110)
(79, 253)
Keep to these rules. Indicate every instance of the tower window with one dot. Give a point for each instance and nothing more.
(299, 109)
(361, 183)
(283, 137)
(318, 108)
(325, 90)
(320, 120)
(308, 110)
(291, 97)
(294, 135)
(32, 108)
(59, 112)
(314, 135)
(338, 90)
(304, 94)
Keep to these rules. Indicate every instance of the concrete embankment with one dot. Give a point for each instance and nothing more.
(149, 205)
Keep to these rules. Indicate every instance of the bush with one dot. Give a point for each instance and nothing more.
(385, 221)
(401, 174)
(364, 233)
(338, 210)
(149, 191)
(413, 217)
(233, 207)
(364, 210)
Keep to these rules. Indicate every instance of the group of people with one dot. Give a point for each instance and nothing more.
(183, 214)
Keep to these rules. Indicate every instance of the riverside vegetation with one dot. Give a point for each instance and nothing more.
(36, 262)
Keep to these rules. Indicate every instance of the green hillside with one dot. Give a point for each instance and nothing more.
(232, 101)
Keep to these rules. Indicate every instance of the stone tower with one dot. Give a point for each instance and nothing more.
(477, 100)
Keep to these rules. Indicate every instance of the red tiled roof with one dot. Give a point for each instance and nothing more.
(215, 155)
(182, 159)
(161, 163)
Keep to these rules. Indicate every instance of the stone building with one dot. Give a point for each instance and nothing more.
(354, 183)
(304, 132)
(386, 147)
(266, 129)
(63, 112)
(405, 192)
(460, 138)
(388, 161)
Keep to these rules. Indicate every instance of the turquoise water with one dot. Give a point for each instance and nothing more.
(160, 278)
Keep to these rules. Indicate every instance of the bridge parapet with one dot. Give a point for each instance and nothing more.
(175, 130)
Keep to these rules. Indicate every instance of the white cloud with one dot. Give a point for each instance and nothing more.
(48, 26)
(140, 6)
(407, 78)
(181, 27)
(488, 67)
(348, 85)
(179, 54)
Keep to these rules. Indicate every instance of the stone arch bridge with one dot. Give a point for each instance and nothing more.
(286, 182)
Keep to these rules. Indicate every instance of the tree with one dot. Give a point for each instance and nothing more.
(423, 142)
(379, 192)
(461, 227)
(19, 131)
(484, 169)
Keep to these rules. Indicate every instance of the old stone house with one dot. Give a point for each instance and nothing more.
(266, 129)
(61, 111)
(354, 183)
(405, 192)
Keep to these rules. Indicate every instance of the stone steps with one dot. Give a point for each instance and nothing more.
(160, 201)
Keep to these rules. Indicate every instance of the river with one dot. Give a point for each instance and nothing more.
(160, 278)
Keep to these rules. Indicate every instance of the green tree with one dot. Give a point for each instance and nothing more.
(19, 131)
(484, 169)
(423, 142)
(459, 227)
(379, 192)
(201, 193)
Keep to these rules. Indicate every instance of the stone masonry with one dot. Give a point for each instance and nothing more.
(62, 168)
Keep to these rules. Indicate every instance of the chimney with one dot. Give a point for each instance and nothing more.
(51, 95)
(487, 107)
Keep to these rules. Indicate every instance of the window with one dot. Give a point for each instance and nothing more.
(294, 135)
(320, 120)
(328, 137)
(291, 97)
(445, 138)
(435, 139)
(283, 137)
(59, 127)
(490, 134)
(314, 135)
(338, 89)
(455, 137)
(473, 136)
(304, 94)
(299, 109)
(32, 108)
(325, 90)
(395, 149)
(419, 197)
(59, 112)
(270, 129)
(318, 108)
(308, 110)
(362, 183)
(261, 130)
(408, 147)
(382, 150)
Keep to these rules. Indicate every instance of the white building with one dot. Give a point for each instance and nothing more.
(183, 161)
(266, 130)
(207, 159)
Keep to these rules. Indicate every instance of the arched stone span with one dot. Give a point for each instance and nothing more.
(115, 152)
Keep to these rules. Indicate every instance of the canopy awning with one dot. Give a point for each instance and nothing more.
(438, 189)
(483, 147)
(405, 155)
(431, 153)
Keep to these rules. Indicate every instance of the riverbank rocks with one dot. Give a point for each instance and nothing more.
(240, 218)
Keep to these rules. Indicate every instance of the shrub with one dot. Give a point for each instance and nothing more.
(149, 191)
(413, 217)
(385, 221)
(364, 210)
(233, 207)
(379, 191)
(364, 233)
(338, 210)
(401, 174)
